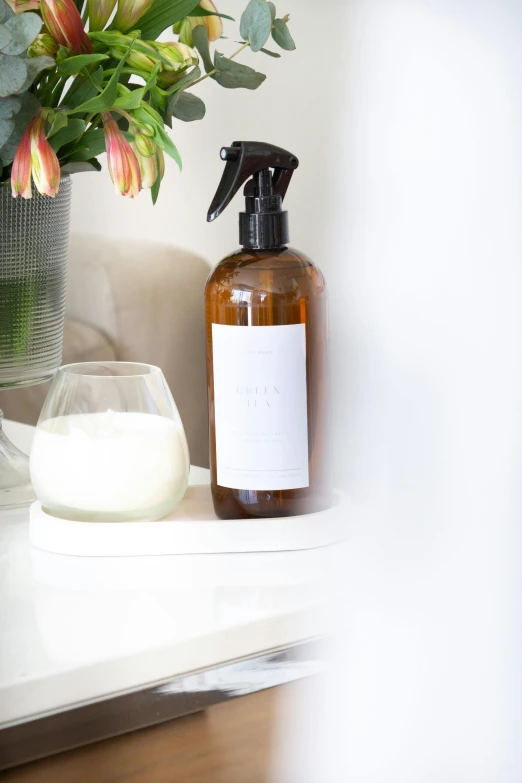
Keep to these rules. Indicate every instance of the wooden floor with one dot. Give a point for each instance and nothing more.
(228, 743)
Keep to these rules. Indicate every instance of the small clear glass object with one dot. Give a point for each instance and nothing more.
(109, 445)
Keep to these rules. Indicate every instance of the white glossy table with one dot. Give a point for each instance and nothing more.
(145, 639)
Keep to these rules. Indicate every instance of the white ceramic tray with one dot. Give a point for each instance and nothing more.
(192, 528)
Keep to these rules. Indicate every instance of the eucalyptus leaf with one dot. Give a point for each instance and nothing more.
(163, 14)
(6, 12)
(270, 54)
(29, 107)
(281, 35)
(199, 11)
(6, 128)
(9, 106)
(13, 73)
(200, 40)
(81, 165)
(74, 65)
(188, 107)
(256, 23)
(272, 10)
(232, 75)
(5, 37)
(23, 29)
(34, 66)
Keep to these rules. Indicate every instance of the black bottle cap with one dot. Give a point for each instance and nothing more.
(267, 171)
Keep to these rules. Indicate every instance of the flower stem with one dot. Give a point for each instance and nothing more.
(214, 70)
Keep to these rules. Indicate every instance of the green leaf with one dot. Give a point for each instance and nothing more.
(23, 28)
(91, 145)
(185, 80)
(109, 95)
(272, 10)
(167, 145)
(155, 189)
(9, 106)
(130, 100)
(5, 36)
(188, 107)
(34, 66)
(271, 54)
(281, 35)
(199, 11)
(256, 23)
(74, 65)
(82, 89)
(6, 128)
(81, 165)
(163, 14)
(200, 40)
(233, 75)
(70, 132)
(29, 107)
(59, 122)
(13, 73)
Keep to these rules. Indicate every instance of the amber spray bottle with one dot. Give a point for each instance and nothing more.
(267, 352)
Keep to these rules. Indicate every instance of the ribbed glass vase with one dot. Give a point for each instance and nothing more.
(34, 235)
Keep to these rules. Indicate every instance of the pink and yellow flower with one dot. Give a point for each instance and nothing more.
(35, 157)
(64, 22)
(124, 167)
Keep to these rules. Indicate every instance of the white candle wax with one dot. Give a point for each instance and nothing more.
(134, 465)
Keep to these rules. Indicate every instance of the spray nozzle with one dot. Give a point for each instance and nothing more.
(267, 171)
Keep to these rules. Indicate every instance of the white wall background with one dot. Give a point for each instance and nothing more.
(408, 123)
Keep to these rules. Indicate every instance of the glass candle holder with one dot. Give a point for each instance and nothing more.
(109, 444)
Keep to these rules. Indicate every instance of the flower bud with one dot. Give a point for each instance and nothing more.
(145, 145)
(151, 166)
(213, 24)
(128, 13)
(175, 57)
(43, 44)
(99, 13)
(64, 23)
(179, 57)
(139, 60)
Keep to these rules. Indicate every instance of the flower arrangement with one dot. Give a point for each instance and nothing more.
(81, 77)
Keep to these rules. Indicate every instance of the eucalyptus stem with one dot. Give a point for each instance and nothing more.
(214, 70)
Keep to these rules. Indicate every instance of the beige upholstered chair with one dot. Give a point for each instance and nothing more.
(138, 302)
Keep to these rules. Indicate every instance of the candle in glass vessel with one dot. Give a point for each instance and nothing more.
(93, 462)
(107, 463)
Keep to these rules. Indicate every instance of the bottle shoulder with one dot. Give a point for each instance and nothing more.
(278, 268)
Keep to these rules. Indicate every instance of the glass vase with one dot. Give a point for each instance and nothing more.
(34, 237)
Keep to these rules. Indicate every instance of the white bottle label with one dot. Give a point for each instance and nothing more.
(260, 406)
